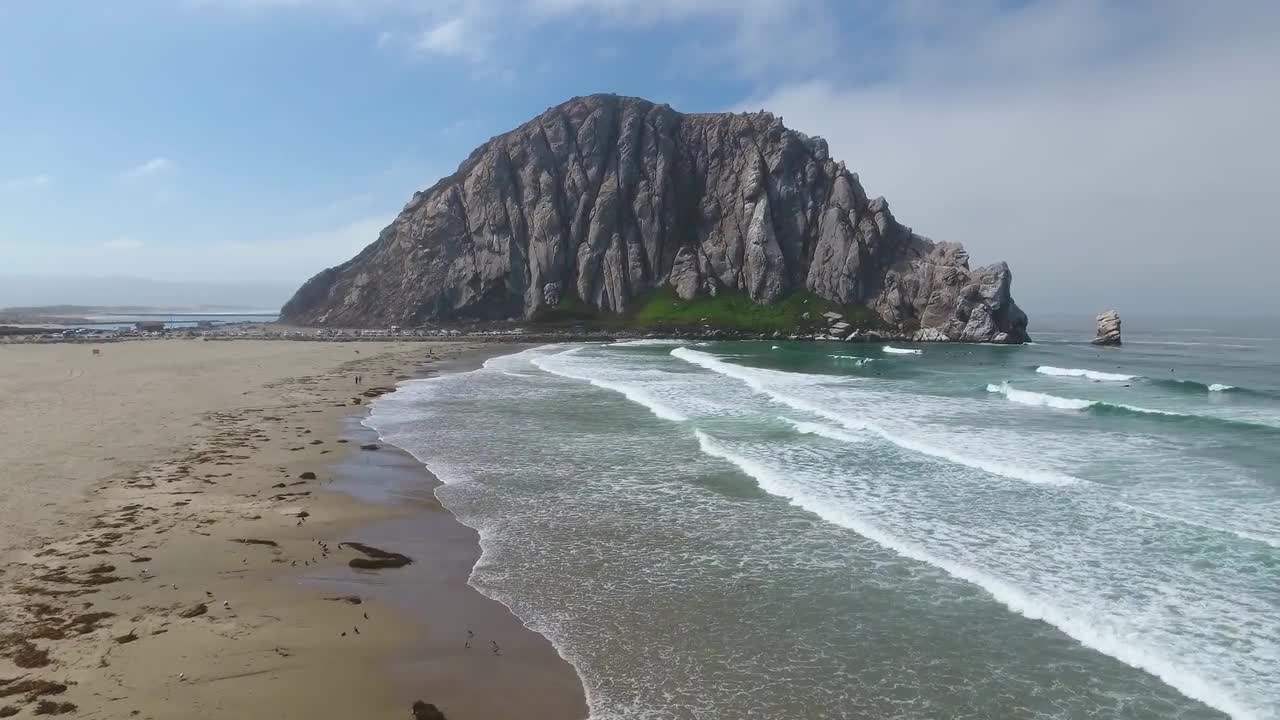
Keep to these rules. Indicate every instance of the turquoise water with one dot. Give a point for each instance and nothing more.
(837, 530)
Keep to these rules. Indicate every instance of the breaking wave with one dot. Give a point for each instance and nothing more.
(901, 351)
(826, 431)
(1081, 372)
(1097, 633)
(1035, 399)
(647, 342)
(631, 392)
(1244, 534)
(1195, 386)
(758, 380)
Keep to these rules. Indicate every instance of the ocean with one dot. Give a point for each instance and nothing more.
(839, 530)
(170, 320)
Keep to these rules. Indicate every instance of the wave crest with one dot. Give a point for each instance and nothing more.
(630, 392)
(901, 351)
(646, 342)
(1085, 373)
(1035, 399)
(1083, 627)
(1195, 386)
(826, 431)
(758, 380)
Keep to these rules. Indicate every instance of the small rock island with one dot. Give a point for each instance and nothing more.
(1108, 329)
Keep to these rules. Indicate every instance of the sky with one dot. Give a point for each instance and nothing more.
(1115, 153)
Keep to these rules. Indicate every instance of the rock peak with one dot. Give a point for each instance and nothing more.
(604, 198)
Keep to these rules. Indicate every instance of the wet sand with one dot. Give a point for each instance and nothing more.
(127, 591)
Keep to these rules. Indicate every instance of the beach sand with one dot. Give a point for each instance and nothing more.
(130, 483)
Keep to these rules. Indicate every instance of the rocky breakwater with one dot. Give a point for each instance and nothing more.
(601, 201)
(1108, 329)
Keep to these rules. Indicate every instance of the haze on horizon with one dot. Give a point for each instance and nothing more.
(1116, 154)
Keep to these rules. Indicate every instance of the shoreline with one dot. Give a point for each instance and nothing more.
(190, 571)
(500, 332)
(405, 477)
(471, 361)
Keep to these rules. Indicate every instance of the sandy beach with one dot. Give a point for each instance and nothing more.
(175, 513)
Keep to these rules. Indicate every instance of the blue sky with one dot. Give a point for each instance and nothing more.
(262, 140)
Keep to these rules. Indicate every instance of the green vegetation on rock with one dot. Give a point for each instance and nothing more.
(662, 309)
(570, 311)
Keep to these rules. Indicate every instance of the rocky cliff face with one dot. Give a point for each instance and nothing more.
(606, 198)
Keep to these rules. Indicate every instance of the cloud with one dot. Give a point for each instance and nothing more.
(761, 34)
(456, 37)
(1107, 164)
(460, 37)
(448, 38)
(33, 182)
(122, 244)
(154, 166)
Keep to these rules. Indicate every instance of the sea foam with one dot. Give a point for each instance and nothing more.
(1195, 386)
(758, 380)
(1243, 534)
(634, 393)
(1080, 372)
(1035, 399)
(646, 342)
(901, 351)
(1094, 632)
(826, 431)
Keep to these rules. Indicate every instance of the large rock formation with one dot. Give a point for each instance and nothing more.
(605, 198)
(1108, 329)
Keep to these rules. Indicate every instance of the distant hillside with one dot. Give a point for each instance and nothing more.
(25, 291)
(86, 310)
